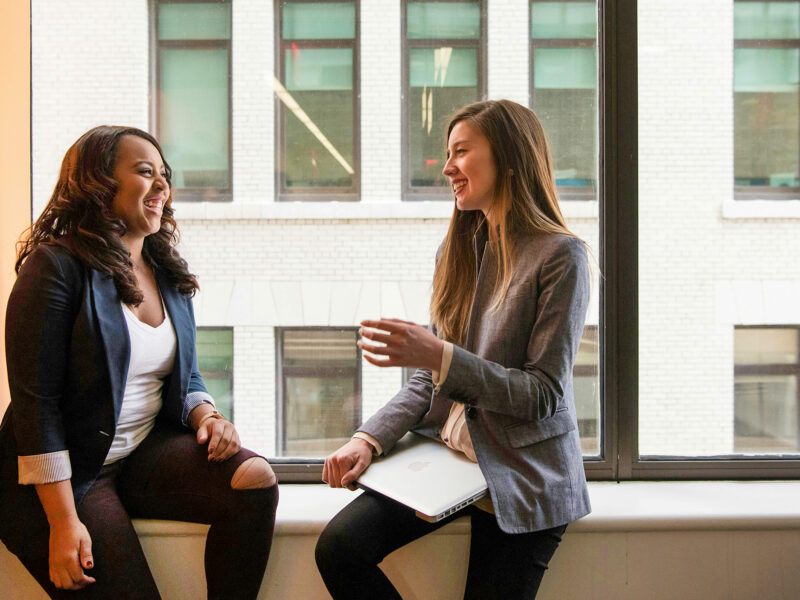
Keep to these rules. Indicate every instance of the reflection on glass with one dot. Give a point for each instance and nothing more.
(215, 360)
(563, 20)
(441, 80)
(321, 390)
(319, 20)
(765, 390)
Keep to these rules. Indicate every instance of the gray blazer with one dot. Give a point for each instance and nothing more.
(514, 374)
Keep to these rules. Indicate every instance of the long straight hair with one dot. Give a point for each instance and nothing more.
(524, 197)
(80, 217)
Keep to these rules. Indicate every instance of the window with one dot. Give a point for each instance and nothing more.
(193, 96)
(317, 95)
(319, 389)
(587, 391)
(766, 76)
(766, 389)
(215, 359)
(444, 65)
(564, 91)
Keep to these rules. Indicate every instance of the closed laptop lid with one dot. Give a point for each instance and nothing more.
(425, 475)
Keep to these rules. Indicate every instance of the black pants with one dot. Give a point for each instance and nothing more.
(169, 477)
(501, 565)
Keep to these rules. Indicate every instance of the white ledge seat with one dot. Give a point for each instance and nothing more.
(655, 540)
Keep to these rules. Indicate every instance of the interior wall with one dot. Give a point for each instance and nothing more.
(15, 152)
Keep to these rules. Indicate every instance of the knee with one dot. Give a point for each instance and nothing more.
(254, 473)
(335, 549)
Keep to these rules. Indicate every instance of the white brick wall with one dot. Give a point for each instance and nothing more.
(508, 61)
(699, 272)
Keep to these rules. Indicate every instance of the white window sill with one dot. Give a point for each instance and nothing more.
(761, 209)
(304, 509)
(342, 210)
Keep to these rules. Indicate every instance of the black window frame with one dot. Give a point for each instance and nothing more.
(289, 464)
(565, 193)
(745, 193)
(317, 194)
(191, 194)
(408, 192)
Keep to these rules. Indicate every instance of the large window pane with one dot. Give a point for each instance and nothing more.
(718, 310)
(193, 96)
(317, 98)
(442, 80)
(766, 117)
(321, 390)
(564, 91)
(444, 49)
(766, 73)
(193, 107)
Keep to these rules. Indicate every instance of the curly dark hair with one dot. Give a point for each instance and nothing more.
(79, 217)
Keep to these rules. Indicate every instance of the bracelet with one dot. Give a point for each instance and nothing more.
(212, 415)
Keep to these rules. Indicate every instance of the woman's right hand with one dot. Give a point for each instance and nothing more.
(344, 466)
(70, 554)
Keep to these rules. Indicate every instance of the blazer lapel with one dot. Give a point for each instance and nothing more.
(114, 332)
(182, 324)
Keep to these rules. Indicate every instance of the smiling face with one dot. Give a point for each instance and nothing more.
(470, 168)
(142, 188)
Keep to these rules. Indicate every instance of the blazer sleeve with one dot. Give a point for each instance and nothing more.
(537, 391)
(39, 320)
(196, 393)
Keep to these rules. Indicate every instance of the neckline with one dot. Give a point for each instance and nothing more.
(127, 309)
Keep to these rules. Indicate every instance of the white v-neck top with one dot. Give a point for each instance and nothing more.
(152, 357)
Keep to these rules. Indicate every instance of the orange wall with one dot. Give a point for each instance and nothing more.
(15, 151)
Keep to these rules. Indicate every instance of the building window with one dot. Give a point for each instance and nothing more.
(766, 76)
(444, 69)
(319, 389)
(766, 378)
(192, 97)
(564, 91)
(587, 391)
(317, 100)
(215, 360)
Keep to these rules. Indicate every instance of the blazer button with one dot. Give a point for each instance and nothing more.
(472, 412)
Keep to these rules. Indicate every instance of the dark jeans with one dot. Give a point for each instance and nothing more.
(501, 565)
(169, 477)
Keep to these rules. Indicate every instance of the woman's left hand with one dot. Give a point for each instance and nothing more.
(223, 440)
(405, 344)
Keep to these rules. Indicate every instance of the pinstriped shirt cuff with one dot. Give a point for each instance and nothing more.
(44, 468)
(193, 400)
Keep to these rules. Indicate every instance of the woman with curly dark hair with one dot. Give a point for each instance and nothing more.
(109, 417)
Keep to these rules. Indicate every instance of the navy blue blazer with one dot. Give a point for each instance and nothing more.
(68, 351)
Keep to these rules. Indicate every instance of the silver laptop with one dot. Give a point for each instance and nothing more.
(427, 476)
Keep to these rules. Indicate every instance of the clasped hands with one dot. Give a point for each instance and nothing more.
(386, 343)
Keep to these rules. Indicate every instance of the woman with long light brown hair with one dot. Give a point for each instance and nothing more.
(494, 372)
